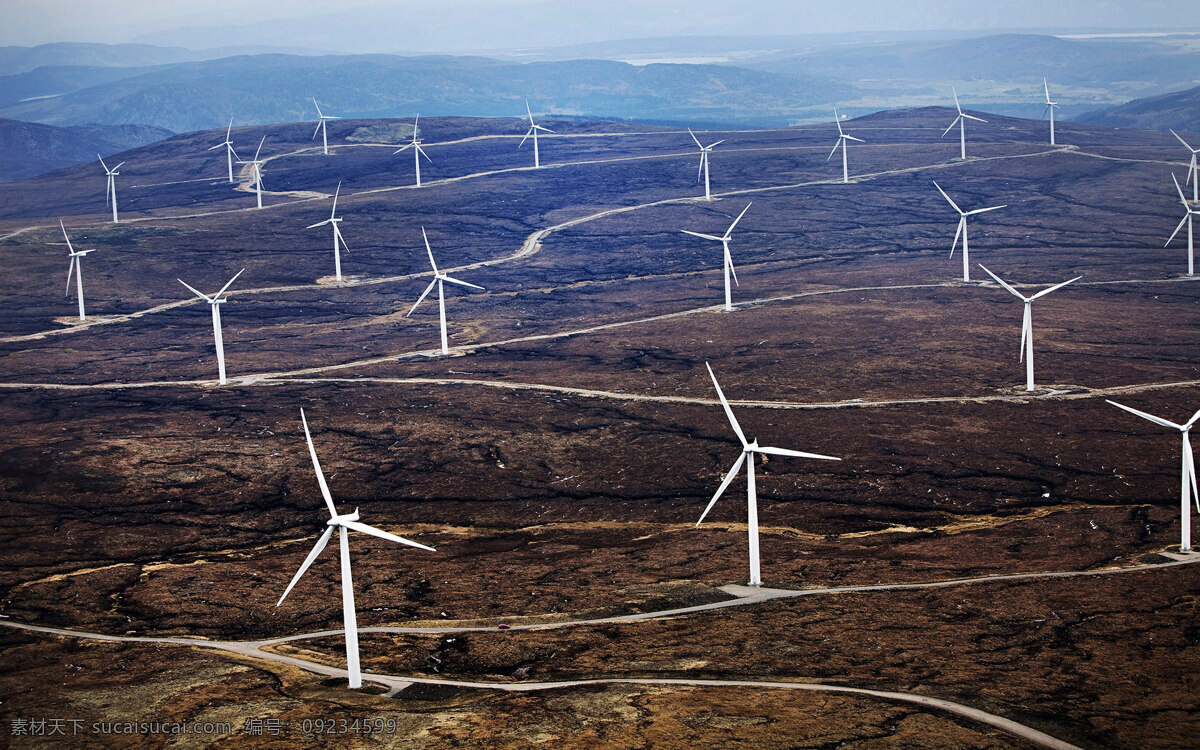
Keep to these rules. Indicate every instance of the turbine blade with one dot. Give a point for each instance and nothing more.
(1191, 465)
(65, 237)
(947, 130)
(1179, 190)
(956, 104)
(228, 284)
(1003, 283)
(737, 465)
(372, 531)
(729, 231)
(729, 262)
(973, 117)
(704, 236)
(838, 122)
(317, 549)
(793, 454)
(258, 151)
(1047, 87)
(697, 140)
(1180, 226)
(342, 239)
(406, 147)
(544, 130)
(420, 299)
(522, 143)
(229, 130)
(101, 158)
(1044, 292)
(962, 222)
(1185, 143)
(312, 451)
(1026, 325)
(196, 292)
(715, 144)
(700, 169)
(318, 106)
(948, 200)
(834, 151)
(985, 210)
(1188, 424)
(336, 193)
(421, 151)
(1144, 415)
(852, 138)
(430, 251)
(70, 270)
(318, 130)
(318, 224)
(453, 280)
(728, 411)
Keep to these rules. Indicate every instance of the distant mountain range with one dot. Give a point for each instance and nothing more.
(279, 88)
(28, 149)
(1179, 110)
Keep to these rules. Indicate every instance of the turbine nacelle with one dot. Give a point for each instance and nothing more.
(342, 519)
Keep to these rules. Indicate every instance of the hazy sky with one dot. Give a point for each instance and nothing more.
(466, 25)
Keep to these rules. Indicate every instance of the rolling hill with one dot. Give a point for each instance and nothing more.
(1179, 110)
(29, 148)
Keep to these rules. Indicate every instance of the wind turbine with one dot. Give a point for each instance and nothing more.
(961, 122)
(1188, 473)
(76, 267)
(724, 240)
(321, 118)
(438, 280)
(962, 229)
(256, 170)
(842, 141)
(418, 152)
(749, 448)
(1192, 173)
(215, 302)
(338, 240)
(533, 130)
(110, 191)
(1050, 107)
(1027, 322)
(343, 524)
(230, 154)
(1186, 218)
(704, 151)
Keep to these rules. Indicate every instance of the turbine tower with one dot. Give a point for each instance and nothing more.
(256, 171)
(1192, 173)
(1188, 473)
(843, 141)
(1050, 107)
(1187, 217)
(1027, 323)
(418, 152)
(343, 524)
(110, 190)
(338, 240)
(961, 122)
(75, 266)
(533, 130)
(749, 449)
(724, 240)
(438, 280)
(230, 154)
(321, 118)
(704, 152)
(962, 230)
(215, 302)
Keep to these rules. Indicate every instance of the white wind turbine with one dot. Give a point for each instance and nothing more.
(1187, 474)
(724, 240)
(338, 240)
(961, 122)
(843, 141)
(1050, 107)
(215, 302)
(533, 130)
(1191, 211)
(256, 170)
(321, 118)
(1193, 174)
(110, 190)
(343, 524)
(704, 152)
(749, 448)
(962, 229)
(418, 152)
(230, 154)
(438, 280)
(1027, 322)
(76, 267)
